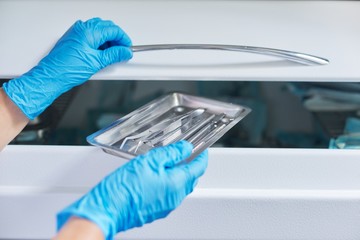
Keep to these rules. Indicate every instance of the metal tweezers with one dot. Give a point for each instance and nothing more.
(161, 130)
(298, 57)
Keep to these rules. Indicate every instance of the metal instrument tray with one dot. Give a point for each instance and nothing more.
(168, 119)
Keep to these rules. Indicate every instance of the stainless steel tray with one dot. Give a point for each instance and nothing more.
(168, 119)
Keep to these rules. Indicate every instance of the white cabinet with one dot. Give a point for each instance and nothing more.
(245, 193)
(327, 29)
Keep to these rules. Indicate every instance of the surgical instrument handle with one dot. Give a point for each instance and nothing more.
(298, 57)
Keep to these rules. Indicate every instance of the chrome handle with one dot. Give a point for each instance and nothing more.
(302, 58)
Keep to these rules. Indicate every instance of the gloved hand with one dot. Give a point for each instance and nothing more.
(83, 50)
(146, 188)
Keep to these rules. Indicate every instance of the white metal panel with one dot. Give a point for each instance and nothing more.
(245, 193)
(325, 28)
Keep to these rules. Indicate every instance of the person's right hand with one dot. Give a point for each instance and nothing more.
(82, 51)
(147, 188)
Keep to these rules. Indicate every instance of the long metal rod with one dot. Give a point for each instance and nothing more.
(302, 58)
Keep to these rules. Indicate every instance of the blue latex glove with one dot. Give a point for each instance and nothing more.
(82, 51)
(146, 188)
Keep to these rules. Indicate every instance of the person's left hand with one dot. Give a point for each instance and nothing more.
(82, 51)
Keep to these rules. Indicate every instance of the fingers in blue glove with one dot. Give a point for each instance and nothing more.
(111, 41)
(115, 54)
(168, 156)
(106, 31)
(190, 172)
(197, 166)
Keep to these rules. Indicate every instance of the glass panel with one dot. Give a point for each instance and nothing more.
(284, 114)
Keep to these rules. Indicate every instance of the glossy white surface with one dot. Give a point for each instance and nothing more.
(245, 193)
(324, 28)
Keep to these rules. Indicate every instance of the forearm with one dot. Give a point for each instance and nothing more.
(12, 120)
(78, 228)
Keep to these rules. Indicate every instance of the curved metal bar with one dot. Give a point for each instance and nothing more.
(302, 58)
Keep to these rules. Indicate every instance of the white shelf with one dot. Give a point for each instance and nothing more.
(245, 193)
(324, 28)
